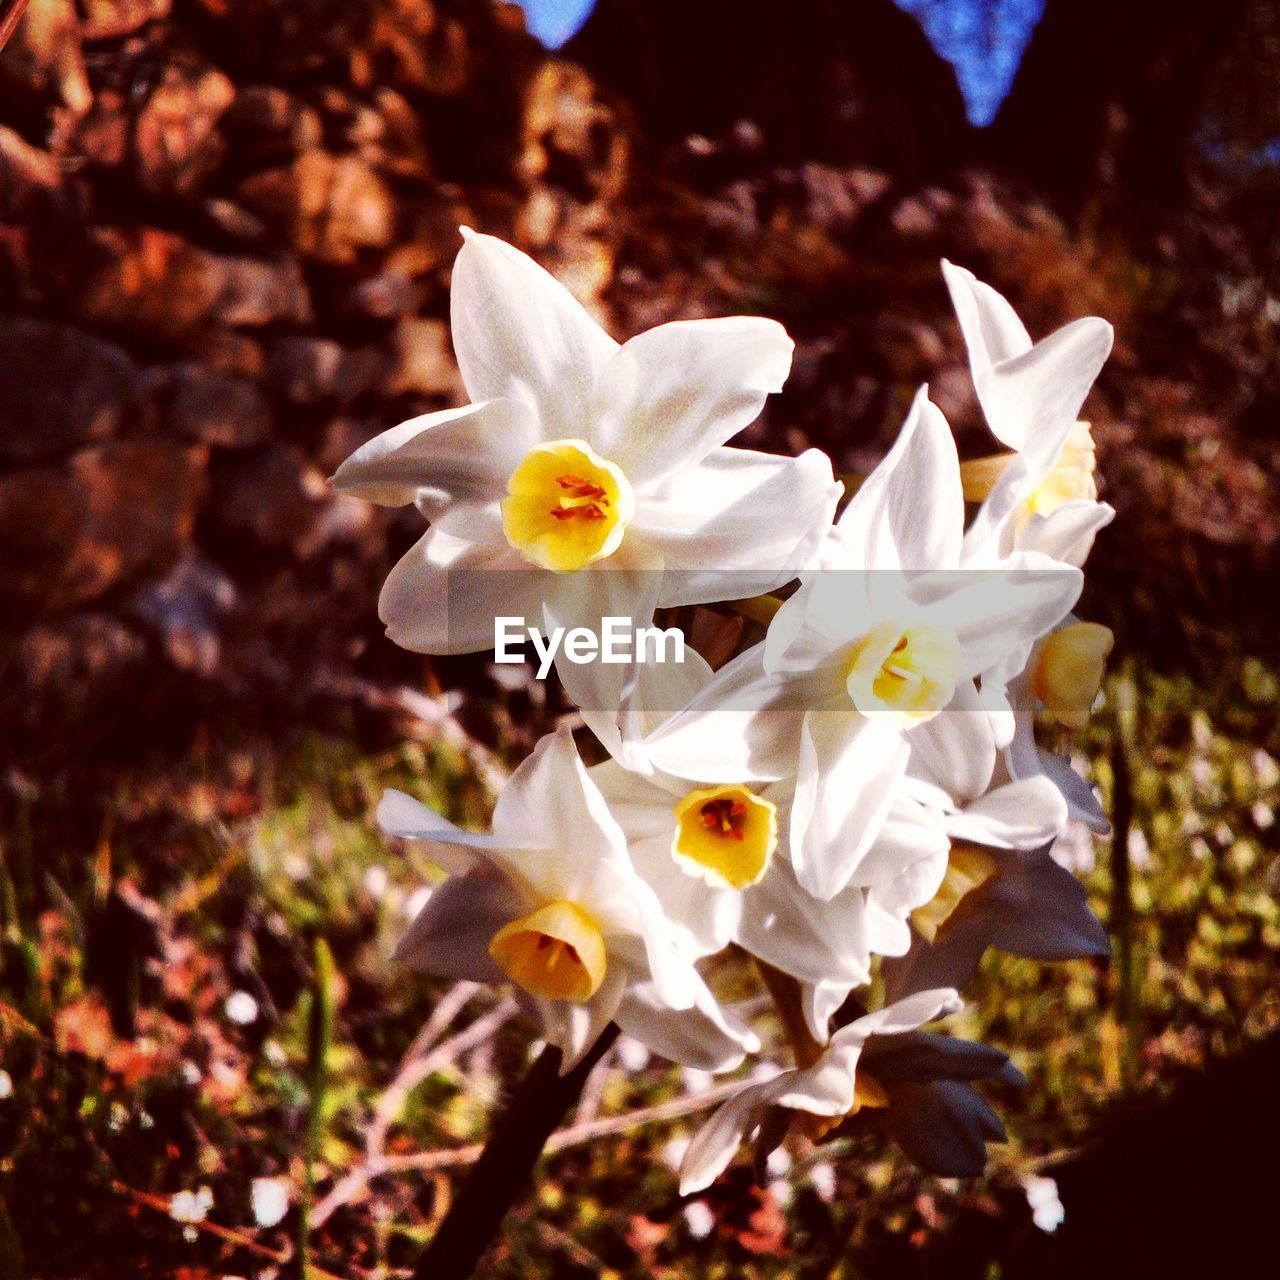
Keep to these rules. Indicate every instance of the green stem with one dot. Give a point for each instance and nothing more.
(320, 1043)
(506, 1164)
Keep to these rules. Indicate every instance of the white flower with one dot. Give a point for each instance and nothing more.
(578, 455)
(191, 1206)
(241, 1008)
(551, 902)
(876, 641)
(270, 1199)
(717, 858)
(1031, 395)
(1046, 1208)
(828, 1088)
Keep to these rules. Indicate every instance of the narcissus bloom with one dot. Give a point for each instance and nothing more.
(587, 479)
(829, 1087)
(876, 641)
(550, 902)
(1031, 394)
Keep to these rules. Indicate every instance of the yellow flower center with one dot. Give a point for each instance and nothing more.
(1072, 477)
(1069, 671)
(911, 671)
(566, 506)
(556, 952)
(968, 868)
(725, 835)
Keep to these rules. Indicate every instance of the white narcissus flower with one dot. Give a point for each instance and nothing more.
(1042, 500)
(1031, 395)
(587, 479)
(828, 1087)
(550, 902)
(874, 642)
(1002, 888)
(717, 857)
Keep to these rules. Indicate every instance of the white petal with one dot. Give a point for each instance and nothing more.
(849, 768)
(573, 1027)
(661, 690)
(708, 915)
(401, 815)
(909, 514)
(706, 1037)
(672, 395)
(1067, 534)
(903, 1015)
(445, 592)
(603, 690)
(751, 515)
(521, 335)
(715, 1144)
(991, 328)
(741, 727)
(1026, 760)
(1032, 400)
(578, 850)
(810, 938)
(1019, 815)
(1024, 391)
(450, 936)
(821, 1001)
(955, 751)
(996, 612)
(455, 455)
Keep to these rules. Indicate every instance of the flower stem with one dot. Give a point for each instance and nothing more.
(506, 1164)
(320, 1037)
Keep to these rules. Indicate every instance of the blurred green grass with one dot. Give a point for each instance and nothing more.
(132, 918)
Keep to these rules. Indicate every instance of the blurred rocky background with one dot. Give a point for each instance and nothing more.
(226, 230)
(225, 239)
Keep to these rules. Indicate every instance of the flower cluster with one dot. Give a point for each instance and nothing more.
(857, 801)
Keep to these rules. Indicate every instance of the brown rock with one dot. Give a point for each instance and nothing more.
(185, 608)
(31, 184)
(110, 19)
(233, 221)
(62, 388)
(425, 50)
(101, 136)
(422, 361)
(150, 282)
(217, 408)
(318, 370)
(278, 499)
(269, 126)
(331, 207)
(256, 293)
(77, 669)
(43, 58)
(69, 534)
(386, 296)
(176, 139)
(158, 285)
